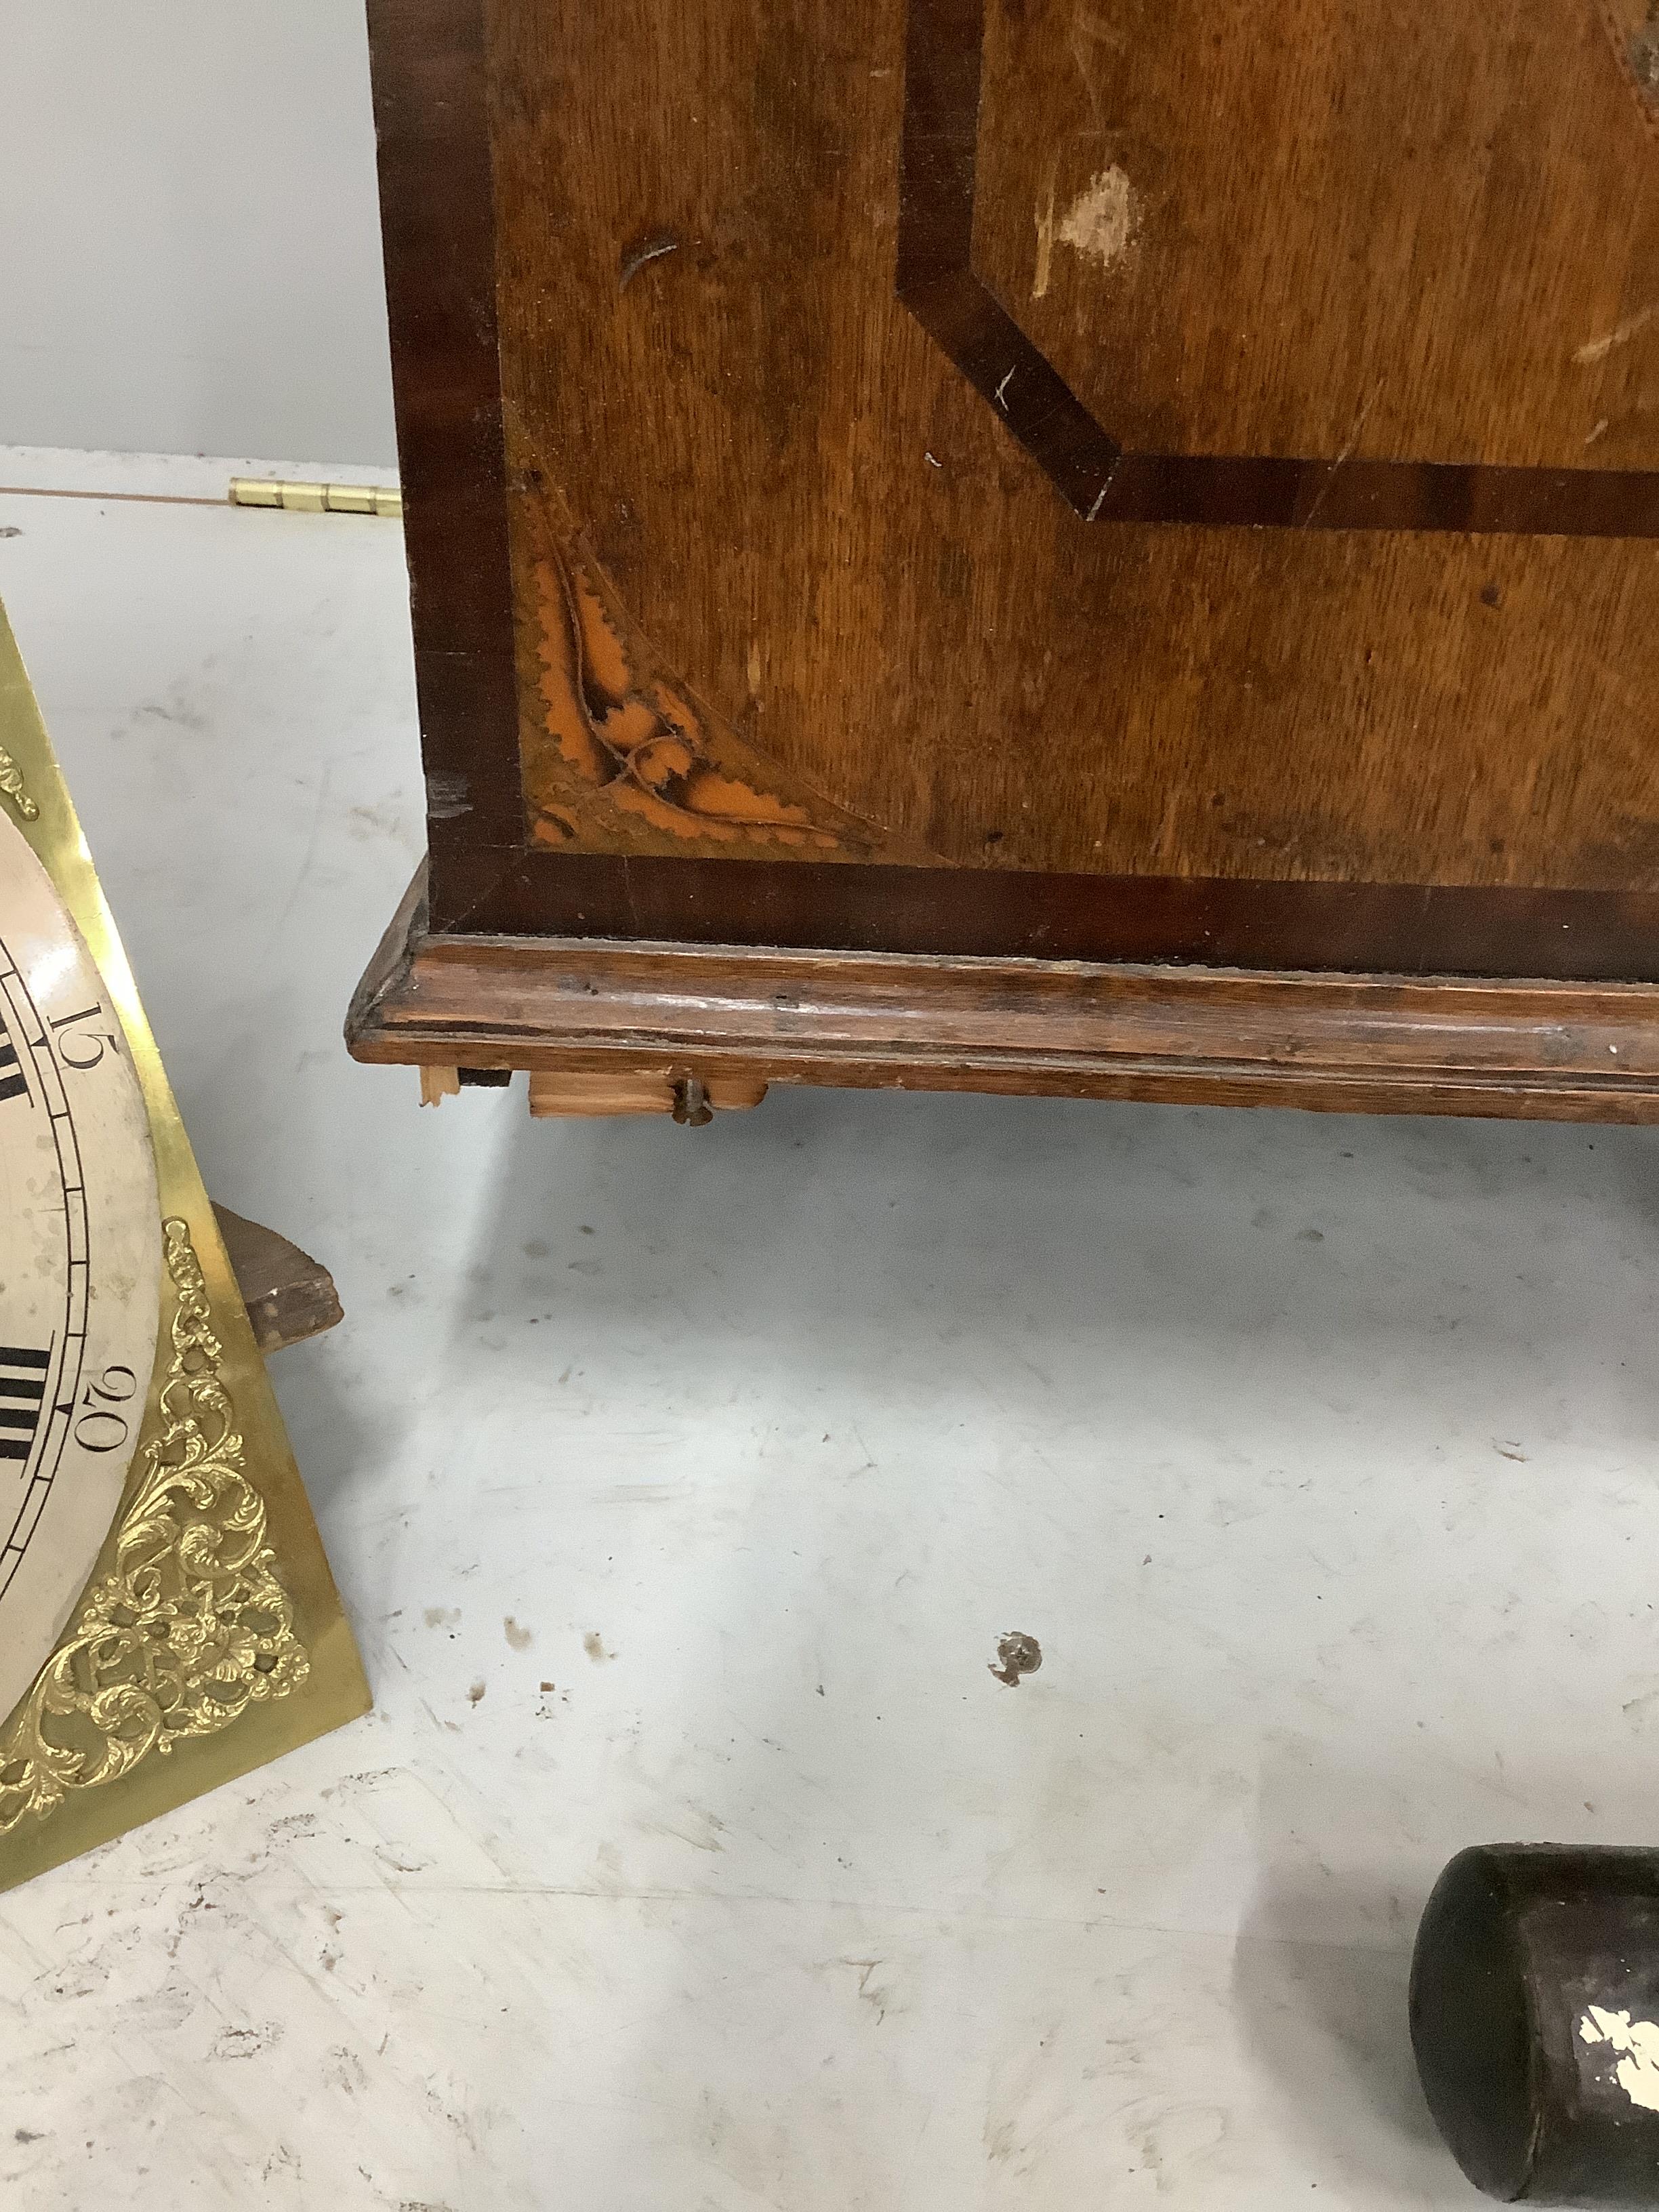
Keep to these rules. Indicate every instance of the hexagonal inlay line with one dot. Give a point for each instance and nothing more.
(936, 280)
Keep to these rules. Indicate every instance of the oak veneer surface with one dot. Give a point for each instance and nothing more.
(760, 366)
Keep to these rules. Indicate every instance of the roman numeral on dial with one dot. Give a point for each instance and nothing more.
(13, 1084)
(22, 1388)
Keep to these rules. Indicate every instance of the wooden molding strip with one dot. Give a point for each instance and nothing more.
(1376, 1043)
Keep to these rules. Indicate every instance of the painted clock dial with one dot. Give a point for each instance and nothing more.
(80, 1264)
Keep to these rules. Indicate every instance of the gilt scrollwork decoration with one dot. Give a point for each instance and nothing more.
(191, 1625)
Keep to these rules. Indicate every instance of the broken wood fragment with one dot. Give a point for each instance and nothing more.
(289, 1295)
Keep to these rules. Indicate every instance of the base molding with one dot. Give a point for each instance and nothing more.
(734, 1018)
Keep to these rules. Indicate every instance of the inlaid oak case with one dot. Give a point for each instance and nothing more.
(1098, 546)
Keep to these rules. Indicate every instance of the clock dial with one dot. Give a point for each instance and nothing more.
(80, 1264)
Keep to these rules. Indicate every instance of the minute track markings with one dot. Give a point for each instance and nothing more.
(22, 1020)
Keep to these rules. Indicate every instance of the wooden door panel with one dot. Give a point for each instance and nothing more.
(853, 617)
(1395, 232)
(755, 606)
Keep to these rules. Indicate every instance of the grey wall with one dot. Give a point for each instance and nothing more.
(189, 253)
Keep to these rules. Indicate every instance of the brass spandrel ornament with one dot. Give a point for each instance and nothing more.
(167, 1619)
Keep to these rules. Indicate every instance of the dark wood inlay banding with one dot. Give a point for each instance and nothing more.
(945, 44)
(1405, 929)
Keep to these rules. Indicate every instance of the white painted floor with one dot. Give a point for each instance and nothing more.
(681, 1484)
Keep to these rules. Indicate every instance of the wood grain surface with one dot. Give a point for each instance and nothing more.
(1406, 233)
(1392, 283)
(659, 355)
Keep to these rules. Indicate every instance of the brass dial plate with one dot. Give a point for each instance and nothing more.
(80, 1264)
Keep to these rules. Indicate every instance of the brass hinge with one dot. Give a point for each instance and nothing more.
(317, 498)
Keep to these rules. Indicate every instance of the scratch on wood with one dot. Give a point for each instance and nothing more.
(650, 248)
(447, 796)
(1346, 453)
(1045, 248)
(1089, 31)
(1599, 349)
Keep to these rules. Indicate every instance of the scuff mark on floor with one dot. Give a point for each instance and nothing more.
(1018, 1654)
(244, 2042)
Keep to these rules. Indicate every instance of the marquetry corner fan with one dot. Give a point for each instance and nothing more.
(955, 544)
(168, 1619)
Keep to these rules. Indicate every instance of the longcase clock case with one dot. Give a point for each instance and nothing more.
(986, 543)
